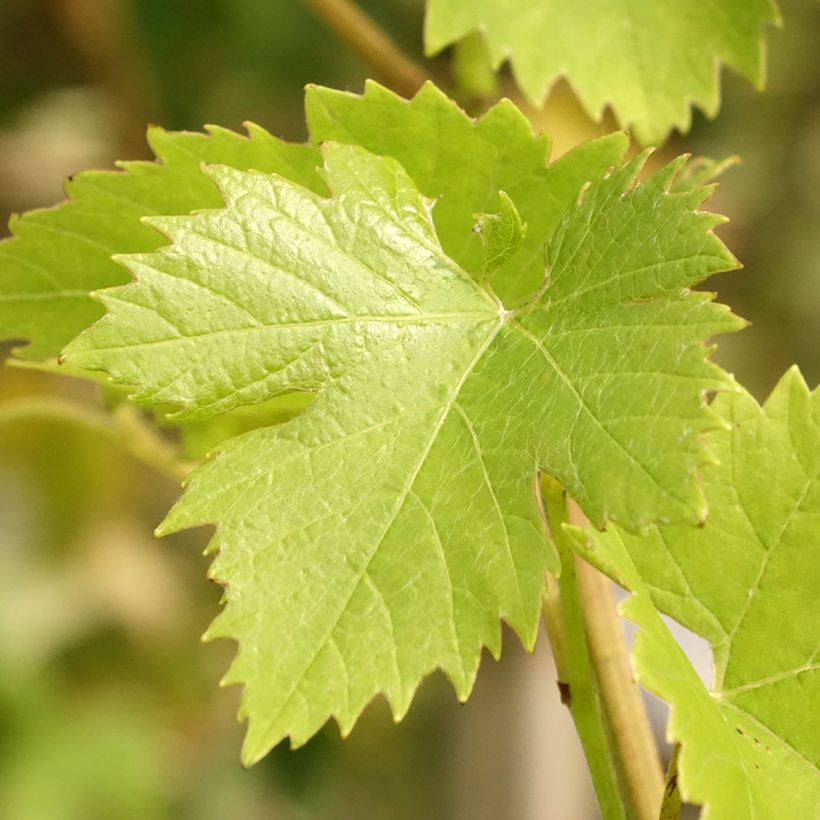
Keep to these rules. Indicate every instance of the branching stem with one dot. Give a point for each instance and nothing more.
(373, 46)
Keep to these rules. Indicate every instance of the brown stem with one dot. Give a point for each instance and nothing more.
(371, 44)
(637, 754)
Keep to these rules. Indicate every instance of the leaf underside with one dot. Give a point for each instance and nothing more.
(384, 531)
(747, 582)
(650, 60)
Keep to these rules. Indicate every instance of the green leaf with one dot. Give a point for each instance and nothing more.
(703, 171)
(384, 531)
(747, 582)
(501, 234)
(59, 255)
(463, 164)
(650, 60)
(200, 438)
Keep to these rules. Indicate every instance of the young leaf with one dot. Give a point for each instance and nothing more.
(383, 532)
(501, 234)
(59, 255)
(747, 581)
(649, 59)
(463, 164)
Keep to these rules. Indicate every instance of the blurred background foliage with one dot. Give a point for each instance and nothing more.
(109, 705)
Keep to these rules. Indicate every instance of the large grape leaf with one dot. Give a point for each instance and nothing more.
(60, 254)
(57, 256)
(650, 60)
(747, 581)
(383, 532)
(463, 165)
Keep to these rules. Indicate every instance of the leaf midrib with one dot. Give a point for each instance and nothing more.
(470, 317)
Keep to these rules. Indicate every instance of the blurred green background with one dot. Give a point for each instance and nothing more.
(109, 705)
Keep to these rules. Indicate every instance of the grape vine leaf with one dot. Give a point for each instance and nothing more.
(384, 531)
(747, 582)
(57, 256)
(650, 60)
(463, 164)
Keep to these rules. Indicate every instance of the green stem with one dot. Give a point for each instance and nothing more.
(371, 44)
(576, 679)
(124, 427)
(634, 744)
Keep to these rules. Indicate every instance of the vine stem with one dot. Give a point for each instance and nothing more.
(595, 678)
(124, 427)
(577, 682)
(637, 755)
(375, 48)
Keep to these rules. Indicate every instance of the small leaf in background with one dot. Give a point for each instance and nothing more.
(386, 530)
(747, 582)
(649, 59)
(501, 233)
